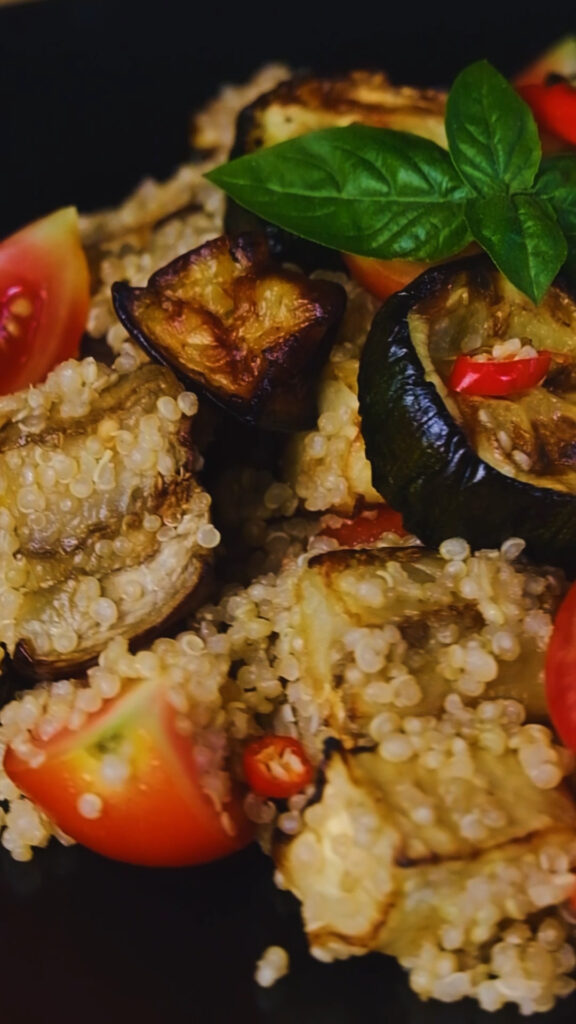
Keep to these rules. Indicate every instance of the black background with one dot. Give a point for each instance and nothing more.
(93, 96)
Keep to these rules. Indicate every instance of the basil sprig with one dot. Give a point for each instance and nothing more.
(392, 195)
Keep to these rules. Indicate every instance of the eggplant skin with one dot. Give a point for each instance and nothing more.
(422, 462)
(236, 326)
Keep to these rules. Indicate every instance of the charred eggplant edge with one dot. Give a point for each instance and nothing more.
(422, 462)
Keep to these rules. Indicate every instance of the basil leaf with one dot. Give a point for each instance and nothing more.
(492, 136)
(521, 235)
(557, 183)
(370, 191)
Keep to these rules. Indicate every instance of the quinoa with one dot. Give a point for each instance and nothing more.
(443, 831)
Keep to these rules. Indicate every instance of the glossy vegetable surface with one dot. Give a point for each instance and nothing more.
(425, 452)
(383, 277)
(235, 325)
(561, 672)
(127, 785)
(497, 377)
(44, 297)
(276, 766)
(554, 107)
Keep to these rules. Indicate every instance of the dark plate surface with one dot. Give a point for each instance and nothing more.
(94, 95)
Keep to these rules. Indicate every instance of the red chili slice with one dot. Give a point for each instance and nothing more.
(498, 378)
(366, 527)
(276, 766)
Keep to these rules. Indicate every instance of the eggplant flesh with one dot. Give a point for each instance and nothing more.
(389, 629)
(386, 860)
(307, 103)
(460, 465)
(232, 324)
(100, 510)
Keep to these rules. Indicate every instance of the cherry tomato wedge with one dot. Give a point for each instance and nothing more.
(276, 766)
(366, 527)
(44, 298)
(494, 377)
(128, 786)
(554, 107)
(561, 671)
(383, 277)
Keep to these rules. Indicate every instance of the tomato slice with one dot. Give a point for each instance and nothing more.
(561, 671)
(276, 766)
(554, 107)
(498, 377)
(366, 527)
(128, 786)
(44, 298)
(383, 277)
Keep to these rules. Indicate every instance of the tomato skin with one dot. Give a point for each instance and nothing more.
(497, 378)
(561, 671)
(157, 817)
(383, 277)
(260, 753)
(44, 298)
(554, 107)
(366, 527)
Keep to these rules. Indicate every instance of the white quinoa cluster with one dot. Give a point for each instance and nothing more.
(327, 467)
(445, 833)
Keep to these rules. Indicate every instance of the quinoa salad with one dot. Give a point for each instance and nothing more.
(217, 623)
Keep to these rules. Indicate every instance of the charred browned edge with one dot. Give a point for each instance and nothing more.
(278, 384)
(334, 94)
(336, 561)
(24, 667)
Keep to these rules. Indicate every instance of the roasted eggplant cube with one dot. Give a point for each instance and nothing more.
(105, 530)
(232, 324)
(473, 466)
(305, 104)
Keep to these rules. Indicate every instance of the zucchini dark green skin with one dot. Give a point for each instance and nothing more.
(423, 464)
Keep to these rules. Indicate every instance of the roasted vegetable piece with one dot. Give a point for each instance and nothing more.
(465, 465)
(234, 325)
(306, 104)
(415, 860)
(104, 527)
(390, 629)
